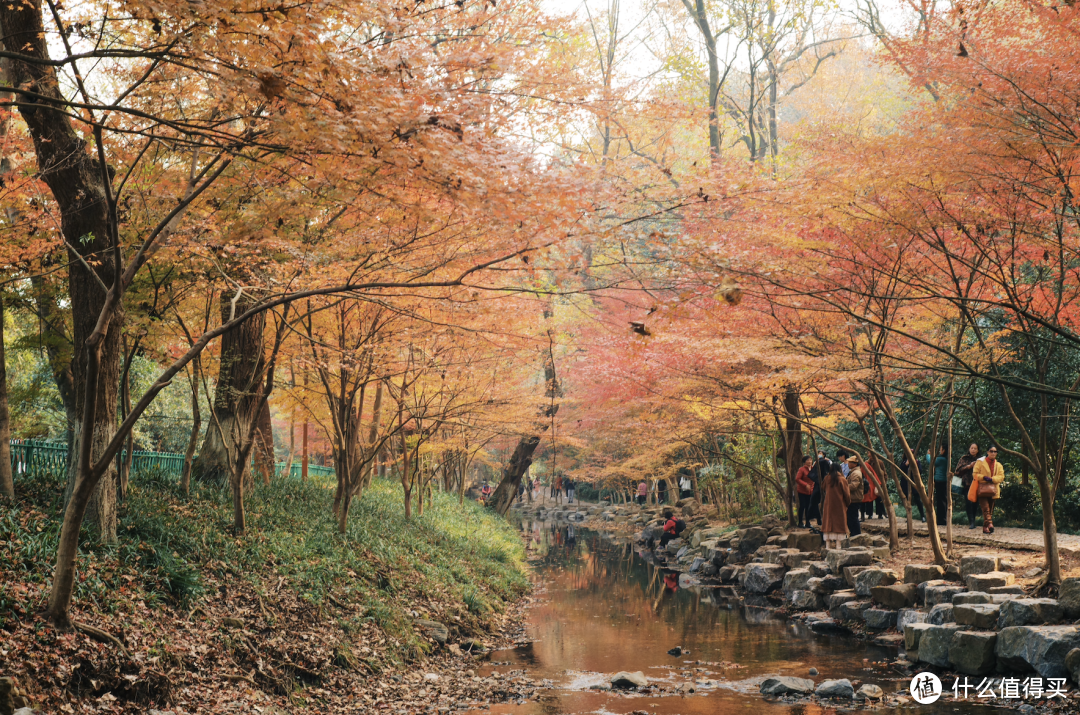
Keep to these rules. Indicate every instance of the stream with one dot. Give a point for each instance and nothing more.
(602, 608)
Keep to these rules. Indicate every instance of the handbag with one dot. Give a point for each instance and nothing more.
(986, 490)
(957, 485)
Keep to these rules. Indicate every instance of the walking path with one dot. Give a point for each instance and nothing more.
(1003, 537)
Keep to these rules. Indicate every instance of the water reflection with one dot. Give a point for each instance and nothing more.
(606, 607)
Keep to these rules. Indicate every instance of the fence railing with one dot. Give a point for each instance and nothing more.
(36, 456)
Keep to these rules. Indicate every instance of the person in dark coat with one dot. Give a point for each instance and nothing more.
(909, 491)
(837, 500)
(804, 486)
(817, 475)
(963, 470)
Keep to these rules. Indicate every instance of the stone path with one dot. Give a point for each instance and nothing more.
(1003, 536)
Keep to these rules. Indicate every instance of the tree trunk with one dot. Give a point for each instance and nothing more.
(76, 180)
(264, 444)
(1050, 544)
(235, 406)
(196, 426)
(304, 455)
(7, 483)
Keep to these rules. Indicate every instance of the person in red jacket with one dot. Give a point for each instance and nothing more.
(805, 487)
(671, 528)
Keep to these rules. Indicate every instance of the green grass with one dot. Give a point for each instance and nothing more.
(461, 559)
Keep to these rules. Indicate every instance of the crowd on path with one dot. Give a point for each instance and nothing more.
(842, 492)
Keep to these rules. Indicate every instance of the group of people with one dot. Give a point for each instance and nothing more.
(843, 492)
(864, 498)
(561, 485)
(686, 490)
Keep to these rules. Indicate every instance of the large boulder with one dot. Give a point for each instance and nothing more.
(835, 689)
(872, 577)
(895, 596)
(869, 691)
(806, 601)
(839, 558)
(851, 573)
(1069, 597)
(804, 541)
(964, 598)
(851, 611)
(1029, 612)
(819, 569)
(629, 680)
(940, 614)
(972, 652)
(750, 540)
(943, 593)
(1039, 648)
(979, 564)
(935, 642)
(879, 619)
(918, 573)
(983, 616)
(784, 685)
(991, 579)
(674, 545)
(913, 633)
(763, 578)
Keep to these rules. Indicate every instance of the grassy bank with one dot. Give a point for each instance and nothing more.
(289, 606)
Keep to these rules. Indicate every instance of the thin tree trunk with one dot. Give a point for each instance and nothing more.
(7, 482)
(264, 444)
(304, 454)
(196, 428)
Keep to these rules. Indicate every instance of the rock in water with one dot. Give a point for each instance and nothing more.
(627, 680)
(677, 650)
(1040, 648)
(782, 685)
(812, 671)
(870, 691)
(835, 689)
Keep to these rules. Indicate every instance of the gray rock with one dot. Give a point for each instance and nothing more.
(683, 551)
(1069, 597)
(987, 581)
(835, 689)
(979, 564)
(965, 597)
(972, 652)
(827, 626)
(750, 540)
(763, 578)
(872, 577)
(869, 691)
(1013, 590)
(940, 614)
(805, 541)
(952, 573)
(697, 564)
(935, 642)
(895, 596)
(851, 573)
(1029, 612)
(625, 679)
(839, 558)
(879, 619)
(674, 545)
(1072, 664)
(913, 633)
(851, 611)
(783, 685)
(797, 580)
(904, 616)
(918, 573)
(1039, 648)
(983, 616)
(780, 556)
(434, 630)
(709, 570)
(819, 569)
(817, 585)
(806, 601)
(729, 574)
(861, 540)
(798, 560)
(933, 595)
(812, 671)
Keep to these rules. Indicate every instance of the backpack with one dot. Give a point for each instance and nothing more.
(680, 526)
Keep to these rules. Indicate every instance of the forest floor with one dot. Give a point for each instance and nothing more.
(288, 618)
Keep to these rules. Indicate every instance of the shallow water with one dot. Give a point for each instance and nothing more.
(603, 608)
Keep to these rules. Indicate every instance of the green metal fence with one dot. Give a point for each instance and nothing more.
(37, 456)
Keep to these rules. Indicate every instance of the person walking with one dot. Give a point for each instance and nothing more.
(818, 472)
(987, 474)
(842, 460)
(856, 489)
(642, 493)
(941, 485)
(558, 489)
(866, 508)
(964, 470)
(805, 488)
(834, 510)
(686, 487)
(661, 491)
(569, 484)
